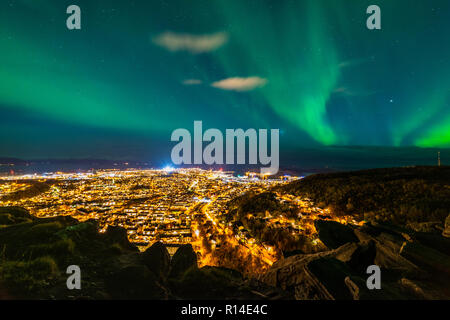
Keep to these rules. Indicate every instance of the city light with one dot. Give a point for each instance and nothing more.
(188, 207)
(168, 169)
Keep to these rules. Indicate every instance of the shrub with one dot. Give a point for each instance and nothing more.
(27, 276)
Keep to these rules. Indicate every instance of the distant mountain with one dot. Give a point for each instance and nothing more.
(101, 162)
(20, 166)
(9, 161)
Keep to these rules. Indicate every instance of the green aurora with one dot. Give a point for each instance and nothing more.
(325, 79)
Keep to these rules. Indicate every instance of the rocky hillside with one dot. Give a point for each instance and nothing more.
(414, 265)
(34, 255)
(36, 252)
(403, 196)
(406, 233)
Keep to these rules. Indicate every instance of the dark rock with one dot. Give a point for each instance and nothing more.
(341, 273)
(207, 283)
(427, 258)
(157, 259)
(183, 259)
(326, 276)
(292, 273)
(345, 252)
(435, 241)
(388, 245)
(127, 259)
(389, 290)
(115, 234)
(333, 234)
(423, 290)
(387, 227)
(390, 235)
(217, 283)
(134, 282)
(363, 256)
(352, 287)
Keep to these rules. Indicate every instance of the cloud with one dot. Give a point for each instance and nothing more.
(240, 84)
(191, 82)
(190, 42)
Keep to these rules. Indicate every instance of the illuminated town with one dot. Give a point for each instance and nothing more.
(174, 206)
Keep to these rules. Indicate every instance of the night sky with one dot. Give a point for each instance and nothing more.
(137, 70)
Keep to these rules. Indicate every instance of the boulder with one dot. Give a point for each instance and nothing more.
(388, 245)
(134, 282)
(157, 259)
(116, 234)
(325, 277)
(295, 274)
(341, 281)
(184, 258)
